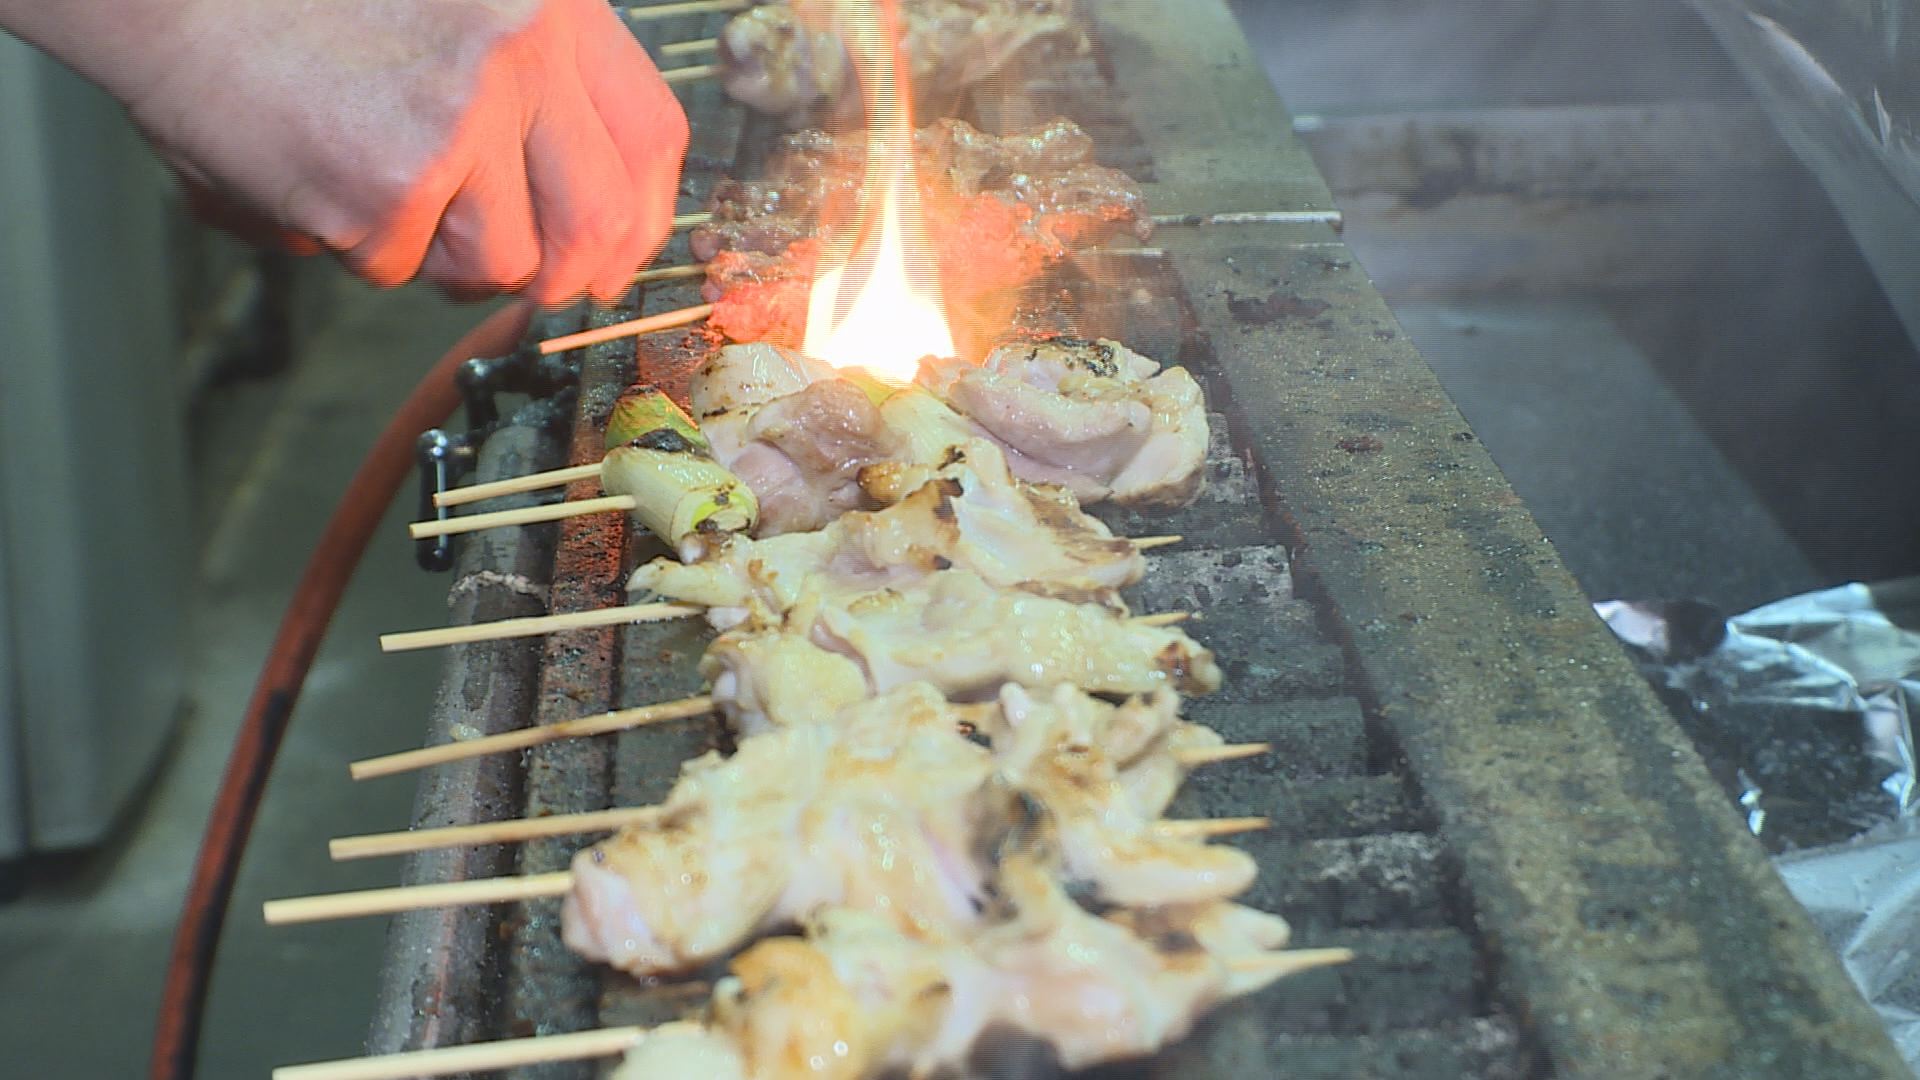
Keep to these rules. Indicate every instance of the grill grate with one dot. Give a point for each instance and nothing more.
(1336, 647)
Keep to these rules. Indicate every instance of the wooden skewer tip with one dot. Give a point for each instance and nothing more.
(525, 515)
(1213, 755)
(351, 905)
(533, 626)
(1202, 828)
(474, 1057)
(1148, 543)
(518, 484)
(666, 320)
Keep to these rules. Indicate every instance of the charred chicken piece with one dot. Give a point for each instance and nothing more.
(1092, 416)
(856, 998)
(970, 514)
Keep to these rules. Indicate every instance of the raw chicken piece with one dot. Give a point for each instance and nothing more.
(1094, 416)
(970, 515)
(856, 998)
(884, 810)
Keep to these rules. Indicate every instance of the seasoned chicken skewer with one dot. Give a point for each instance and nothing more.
(970, 514)
(950, 630)
(811, 442)
(857, 998)
(892, 807)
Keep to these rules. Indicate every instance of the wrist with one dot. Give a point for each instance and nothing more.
(123, 46)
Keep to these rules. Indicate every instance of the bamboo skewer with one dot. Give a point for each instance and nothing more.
(1165, 618)
(1148, 543)
(670, 273)
(351, 905)
(692, 73)
(484, 1057)
(626, 719)
(688, 48)
(514, 831)
(532, 626)
(1288, 961)
(525, 515)
(1203, 828)
(632, 328)
(516, 485)
(637, 13)
(693, 220)
(521, 739)
(1213, 755)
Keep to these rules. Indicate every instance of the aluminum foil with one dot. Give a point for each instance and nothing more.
(1804, 709)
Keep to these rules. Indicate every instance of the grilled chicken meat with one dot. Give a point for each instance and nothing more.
(1068, 200)
(1093, 416)
(856, 998)
(780, 59)
(953, 630)
(886, 806)
(794, 430)
(813, 442)
(970, 514)
(880, 810)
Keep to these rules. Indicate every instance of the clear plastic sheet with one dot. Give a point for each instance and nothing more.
(1805, 709)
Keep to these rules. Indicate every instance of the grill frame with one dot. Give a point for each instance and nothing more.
(1611, 902)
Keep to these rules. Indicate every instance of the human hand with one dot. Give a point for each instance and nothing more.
(480, 144)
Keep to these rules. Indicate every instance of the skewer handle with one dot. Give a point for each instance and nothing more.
(475, 1057)
(670, 273)
(526, 515)
(516, 831)
(532, 626)
(632, 328)
(531, 482)
(525, 737)
(688, 48)
(693, 220)
(692, 73)
(352, 905)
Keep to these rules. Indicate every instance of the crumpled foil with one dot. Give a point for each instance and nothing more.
(1804, 710)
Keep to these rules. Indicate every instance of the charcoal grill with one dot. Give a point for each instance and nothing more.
(1472, 789)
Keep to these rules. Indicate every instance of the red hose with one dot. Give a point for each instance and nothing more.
(386, 466)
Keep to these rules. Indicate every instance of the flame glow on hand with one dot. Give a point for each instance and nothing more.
(875, 301)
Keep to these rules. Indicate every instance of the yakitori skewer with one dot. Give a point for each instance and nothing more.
(328, 907)
(670, 273)
(520, 830)
(666, 320)
(536, 625)
(693, 220)
(523, 738)
(533, 626)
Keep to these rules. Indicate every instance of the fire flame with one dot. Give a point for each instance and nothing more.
(875, 301)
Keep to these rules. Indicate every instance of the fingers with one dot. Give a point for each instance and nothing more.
(649, 130)
(582, 196)
(390, 254)
(487, 241)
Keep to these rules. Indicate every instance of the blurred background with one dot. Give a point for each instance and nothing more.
(1640, 242)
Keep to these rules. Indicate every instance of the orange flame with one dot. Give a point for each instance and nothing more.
(876, 300)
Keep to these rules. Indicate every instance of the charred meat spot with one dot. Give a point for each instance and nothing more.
(1176, 941)
(1173, 660)
(1274, 307)
(955, 456)
(1361, 444)
(941, 562)
(666, 440)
